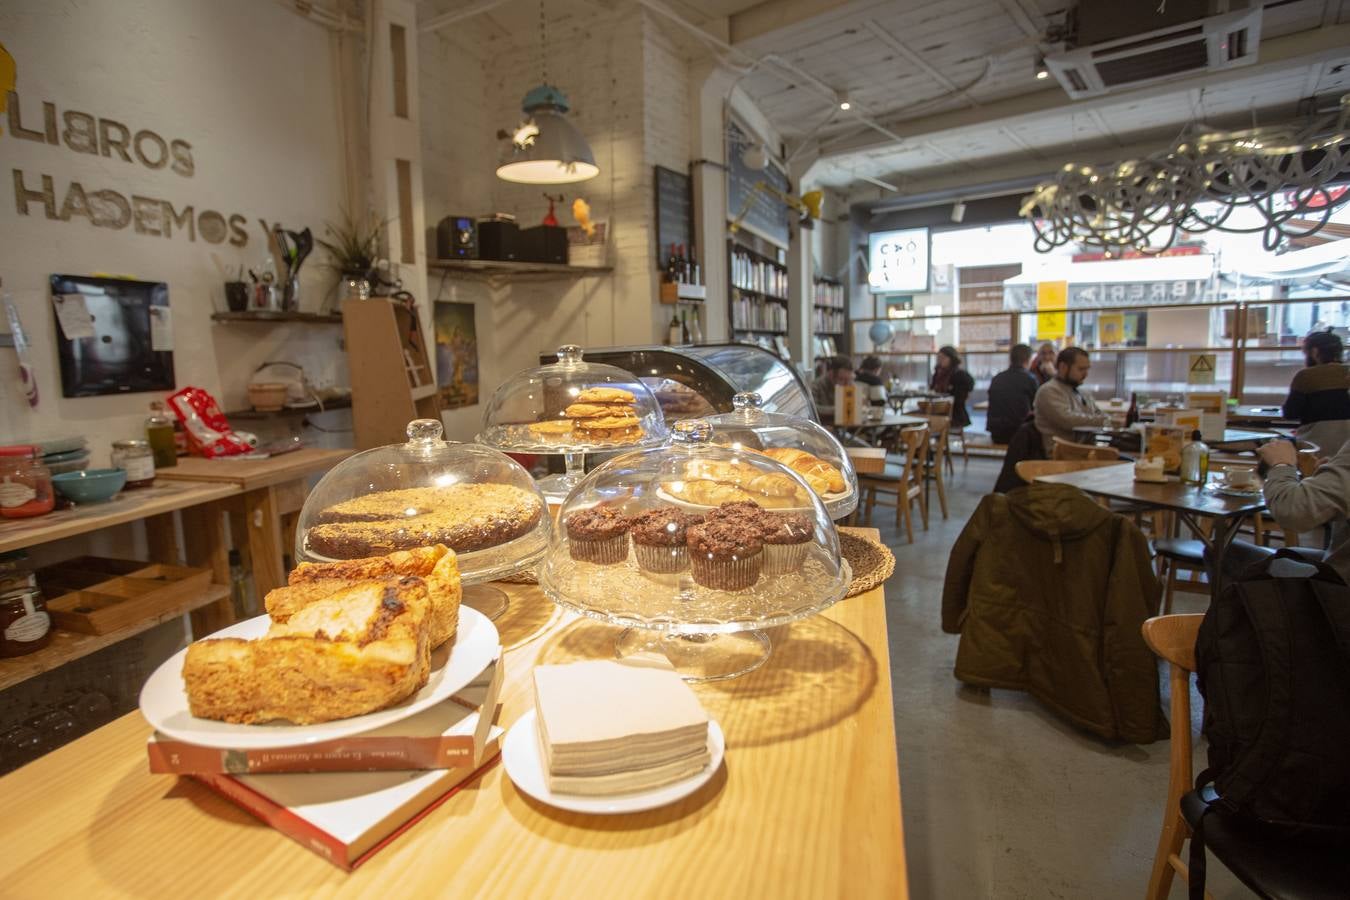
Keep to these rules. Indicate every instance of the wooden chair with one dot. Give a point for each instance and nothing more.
(905, 481)
(944, 408)
(1269, 867)
(1172, 638)
(938, 428)
(1063, 449)
(1030, 469)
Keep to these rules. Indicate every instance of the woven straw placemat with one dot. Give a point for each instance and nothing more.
(525, 576)
(872, 562)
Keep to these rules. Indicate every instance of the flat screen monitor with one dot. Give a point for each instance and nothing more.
(124, 346)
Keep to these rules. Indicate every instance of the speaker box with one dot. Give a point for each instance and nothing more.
(544, 244)
(499, 241)
(456, 238)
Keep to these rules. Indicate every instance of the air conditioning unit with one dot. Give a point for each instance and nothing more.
(1207, 45)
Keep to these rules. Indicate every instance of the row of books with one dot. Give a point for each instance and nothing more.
(754, 313)
(828, 321)
(827, 293)
(750, 273)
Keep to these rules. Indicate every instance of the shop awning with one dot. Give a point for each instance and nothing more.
(1118, 282)
(1308, 264)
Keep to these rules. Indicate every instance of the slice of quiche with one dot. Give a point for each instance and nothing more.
(355, 651)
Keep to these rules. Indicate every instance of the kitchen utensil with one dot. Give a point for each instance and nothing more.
(90, 485)
(26, 376)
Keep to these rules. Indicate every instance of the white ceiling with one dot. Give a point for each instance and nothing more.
(955, 80)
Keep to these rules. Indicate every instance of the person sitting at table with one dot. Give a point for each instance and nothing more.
(950, 378)
(1059, 407)
(1299, 505)
(838, 371)
(1319, 396)
(869, 373)
(1011, 394)
(1044, 367)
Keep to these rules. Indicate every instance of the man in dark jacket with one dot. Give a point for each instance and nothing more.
(1319, 396)
(1011, 395)
(1048, 591)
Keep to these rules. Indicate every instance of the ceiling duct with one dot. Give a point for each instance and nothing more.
(1211, 44)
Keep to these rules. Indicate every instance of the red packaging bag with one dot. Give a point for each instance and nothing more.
(208, 431)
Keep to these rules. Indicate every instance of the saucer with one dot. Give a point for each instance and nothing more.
(524, 764)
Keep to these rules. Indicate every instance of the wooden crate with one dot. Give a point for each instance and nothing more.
(83, 572)
(118, 602)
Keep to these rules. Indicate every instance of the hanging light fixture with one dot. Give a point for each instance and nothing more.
(546, 148)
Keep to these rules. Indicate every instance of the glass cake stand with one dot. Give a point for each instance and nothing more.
(702, 594)
(476, 500)
(571, 408)
(804, 446)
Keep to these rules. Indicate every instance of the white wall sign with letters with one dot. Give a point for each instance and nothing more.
(898, 261)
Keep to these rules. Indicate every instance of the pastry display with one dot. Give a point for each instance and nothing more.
(659, 539)
(726, 554)
(464, 517)
(598, 535)
(310, 583)
(356, 651)
(820, 475)
(615, 728)
(712, 482)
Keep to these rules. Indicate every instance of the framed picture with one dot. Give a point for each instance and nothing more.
(456, 354)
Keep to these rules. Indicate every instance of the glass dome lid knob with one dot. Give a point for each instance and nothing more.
(747, 400)
(569, 354)
(426, 434)
(691, 431)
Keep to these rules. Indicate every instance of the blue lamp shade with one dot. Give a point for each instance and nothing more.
(546, 148)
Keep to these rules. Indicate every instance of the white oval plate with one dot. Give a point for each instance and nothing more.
(524, 764)
(667, 497)
(164, 701)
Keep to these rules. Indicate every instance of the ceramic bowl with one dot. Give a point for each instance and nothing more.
(90, 485)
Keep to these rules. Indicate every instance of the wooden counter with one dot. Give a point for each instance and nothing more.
(806, 805)
(251, 474)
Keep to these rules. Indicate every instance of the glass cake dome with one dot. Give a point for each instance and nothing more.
(800, 444)
(572, 408)
(477, 501)
(696, 548)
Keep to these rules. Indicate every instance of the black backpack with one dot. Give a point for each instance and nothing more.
(1273, 665)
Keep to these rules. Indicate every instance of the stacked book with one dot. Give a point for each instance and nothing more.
(346, 798)
(617, 728)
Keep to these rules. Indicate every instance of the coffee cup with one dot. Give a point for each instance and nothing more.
(1239, 476)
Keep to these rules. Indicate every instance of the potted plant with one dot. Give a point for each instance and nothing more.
(354, 248)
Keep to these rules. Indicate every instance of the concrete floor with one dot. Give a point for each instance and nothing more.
(1001, 798)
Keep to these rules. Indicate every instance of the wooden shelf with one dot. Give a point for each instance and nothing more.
(266, 316)
(758, 330)
(69, 645)
(773, 297)
(256, 414)
(488, 268)
(128, 506)
(828, 306)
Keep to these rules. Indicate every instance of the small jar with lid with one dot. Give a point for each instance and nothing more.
(25, 624)
(137, 459)
(25, 483)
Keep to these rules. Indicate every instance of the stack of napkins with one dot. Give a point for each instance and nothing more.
(618, 728)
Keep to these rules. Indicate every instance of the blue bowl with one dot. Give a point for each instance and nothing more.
(90, 485)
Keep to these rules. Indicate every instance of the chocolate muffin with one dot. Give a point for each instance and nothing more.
(726, 555)
(598, 535)
(659, 539)
(786, 537)
(736, 509)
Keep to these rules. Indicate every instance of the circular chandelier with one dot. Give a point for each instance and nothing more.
(1285, 173)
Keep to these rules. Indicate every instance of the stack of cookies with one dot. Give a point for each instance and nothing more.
(604, 415)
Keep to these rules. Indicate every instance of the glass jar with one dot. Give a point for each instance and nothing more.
(137, 459)
(25, 625)
(159, 434)
(25, 483)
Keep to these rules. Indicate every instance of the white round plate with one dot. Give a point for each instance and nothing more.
(164, 701)
(524, 764)
(1220, 487)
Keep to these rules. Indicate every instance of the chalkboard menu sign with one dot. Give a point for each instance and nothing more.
(767, 215)
(674, 213)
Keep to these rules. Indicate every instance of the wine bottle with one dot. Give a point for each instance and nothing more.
(673, 333)
(1132, 414)
(684, 328)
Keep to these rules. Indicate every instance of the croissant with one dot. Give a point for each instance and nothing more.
(707, 493)
(812, 468)
(772, 484)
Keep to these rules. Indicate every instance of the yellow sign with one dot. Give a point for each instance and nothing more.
(1110, 329)
(1202, 368)
(1052, 299)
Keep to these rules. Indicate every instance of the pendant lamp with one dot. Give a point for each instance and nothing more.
(547, 148)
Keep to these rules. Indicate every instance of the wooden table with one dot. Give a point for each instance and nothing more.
(1191, 504)
(806, 805)
(272, 492)
(1259, 415)
(889, 419)
(1233, 438)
